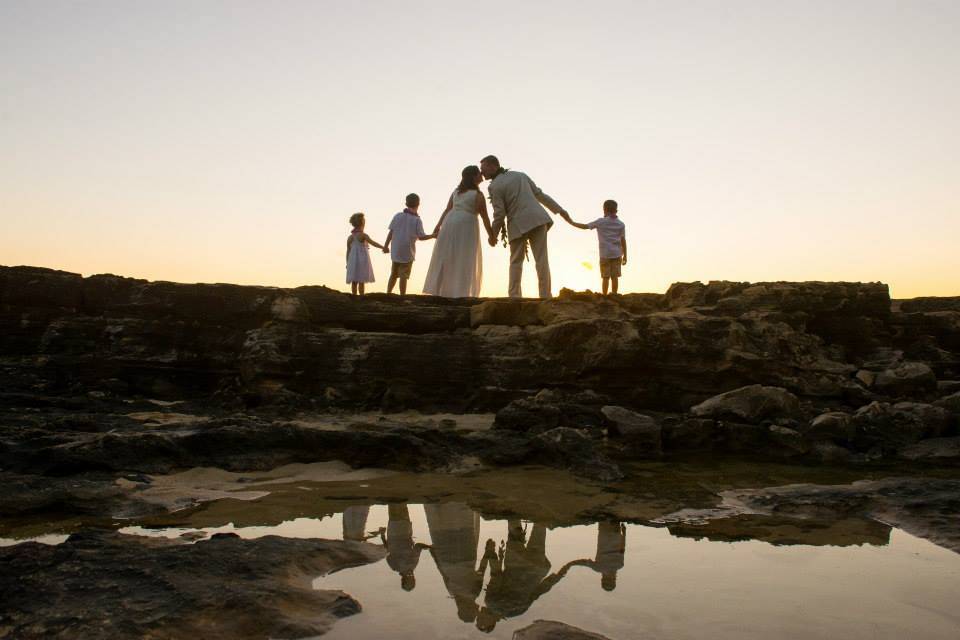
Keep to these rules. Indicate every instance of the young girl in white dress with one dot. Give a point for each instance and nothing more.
(359, 267)
(456, 266)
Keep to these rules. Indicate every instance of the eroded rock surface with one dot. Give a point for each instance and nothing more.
(107, 585)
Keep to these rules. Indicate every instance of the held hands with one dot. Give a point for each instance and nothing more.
(492, 240)
(386, 249)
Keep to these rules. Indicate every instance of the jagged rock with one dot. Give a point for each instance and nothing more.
(890, 427)
(640, 433)
(866, 377)
(528, 415)
(514, 313)
(552, 630)
(109, 585)
(835, 426)
(906, 380)
(688, 434)
(574, 449)
(751, 403)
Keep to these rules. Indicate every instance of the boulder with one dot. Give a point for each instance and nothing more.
(951, 403)
(739, 437)
(833, 426)
(829, 453)
(752, 404)
(908, 379)
(575, 450)
(552, 630)
(528, 415)
(948, 386)
(786, 442)
(640, 434)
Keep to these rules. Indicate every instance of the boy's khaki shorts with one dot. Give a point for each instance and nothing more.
(610, 267)
(401, 270)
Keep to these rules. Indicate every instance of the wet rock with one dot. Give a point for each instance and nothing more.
(940, 450)
(948, 386)
(108, 585)
(739, 437)
(834, 426)
(639, 433)
(575, 450)
(548, 410)
(908, 379)
(688, 434)
(552, 630)
(752, 403)
(924, 507)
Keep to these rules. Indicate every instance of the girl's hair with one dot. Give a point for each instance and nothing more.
(468, 181)
(356, 220)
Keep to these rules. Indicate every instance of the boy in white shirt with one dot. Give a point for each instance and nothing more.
(611, 233)
(405, 229)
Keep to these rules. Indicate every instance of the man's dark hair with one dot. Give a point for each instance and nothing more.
(491, 159)
(413, 200)
(610, 205)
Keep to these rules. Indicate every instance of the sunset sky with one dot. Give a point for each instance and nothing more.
(230, 141)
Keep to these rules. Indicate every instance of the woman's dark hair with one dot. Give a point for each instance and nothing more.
(468, 181)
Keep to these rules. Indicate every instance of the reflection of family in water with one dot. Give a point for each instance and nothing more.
(519, 568)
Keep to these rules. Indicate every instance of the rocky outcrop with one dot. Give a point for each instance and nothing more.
(108, 585)
(553, 630)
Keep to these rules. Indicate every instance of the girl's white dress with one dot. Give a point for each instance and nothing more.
(359, 267)
(456, 266)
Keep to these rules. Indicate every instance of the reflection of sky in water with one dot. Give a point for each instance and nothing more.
(668, 586)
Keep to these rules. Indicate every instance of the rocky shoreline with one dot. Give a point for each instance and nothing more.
(108, 383)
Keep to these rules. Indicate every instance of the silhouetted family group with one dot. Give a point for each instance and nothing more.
(520, 218)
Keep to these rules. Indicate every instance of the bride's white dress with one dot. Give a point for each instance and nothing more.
(456, 266)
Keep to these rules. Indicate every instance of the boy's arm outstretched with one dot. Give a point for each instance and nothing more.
(386, 244)
(578, 225)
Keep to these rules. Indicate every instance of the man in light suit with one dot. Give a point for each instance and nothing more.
(519, 204)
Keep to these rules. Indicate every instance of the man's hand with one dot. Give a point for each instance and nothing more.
(386, 249)
(492, 240)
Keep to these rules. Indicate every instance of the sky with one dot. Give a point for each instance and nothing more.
(208, 141)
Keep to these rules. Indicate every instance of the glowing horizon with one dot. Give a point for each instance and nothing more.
(230, 142)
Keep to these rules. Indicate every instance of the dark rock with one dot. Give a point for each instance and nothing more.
(924, 507)
(829, 453)
(834, 426)
(951, 403)
(908, 379)
(108, 585)
(738, 437)
(948, 386)
(574, 449)
(551, 630)
(930, 304)
(528, 415)
(751, 403)
(940, 450)
(786, 442)
(688, 434)
(640, 433)
(890, 427)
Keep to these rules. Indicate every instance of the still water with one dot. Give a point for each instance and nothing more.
(452, 573)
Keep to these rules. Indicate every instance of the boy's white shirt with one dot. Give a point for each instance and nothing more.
(406, 228)
(610, 232)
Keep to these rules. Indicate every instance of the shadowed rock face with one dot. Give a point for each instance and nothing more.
(64, 334)
(108, 585)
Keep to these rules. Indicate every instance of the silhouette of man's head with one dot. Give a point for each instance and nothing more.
(489, 166)
(486, 620)
(408, 581)
(413, 201)
(609, 581)
(609, 206)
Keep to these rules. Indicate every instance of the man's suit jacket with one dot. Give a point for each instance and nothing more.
(517, 199)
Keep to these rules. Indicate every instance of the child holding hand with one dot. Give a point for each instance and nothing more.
(611, 233)
(359, 267)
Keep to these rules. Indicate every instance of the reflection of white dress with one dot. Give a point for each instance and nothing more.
(456, 266)
(359, 267)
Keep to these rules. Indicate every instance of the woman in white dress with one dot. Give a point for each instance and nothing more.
(456, 266)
